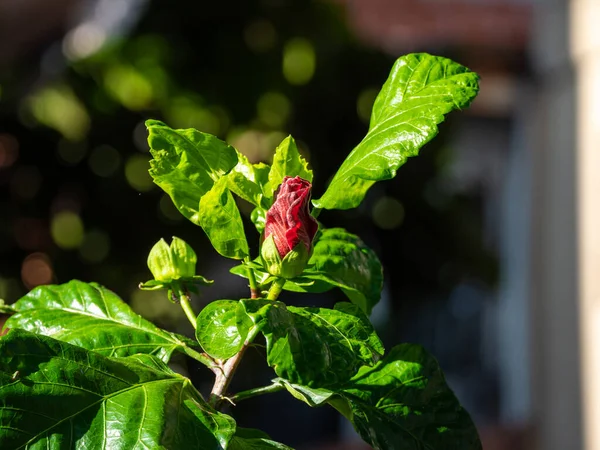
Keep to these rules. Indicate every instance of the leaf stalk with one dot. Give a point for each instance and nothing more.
(275, 387)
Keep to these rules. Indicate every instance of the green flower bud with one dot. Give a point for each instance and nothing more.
(291, 266)
(172, 263)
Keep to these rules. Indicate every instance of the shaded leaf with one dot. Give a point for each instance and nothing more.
(251, 439)
(420, 90)
(342, 259)
(68, 397)
(314, 346)
(400, 403)
(92, 317)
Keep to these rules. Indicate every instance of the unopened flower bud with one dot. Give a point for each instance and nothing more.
(289, 229)
(168, 263)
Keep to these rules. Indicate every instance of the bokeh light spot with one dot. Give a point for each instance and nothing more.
(104, 161)
(83, 41)
(36, 270)
(260, 36)
(388, 213)
(187, 112)
(59, 108)
(71, 153)
(168, 209)
(299, 61)
(66, 229)
(95, 246)
(364, 103)
(26, 182)
(273, 109)
(153, 305)
(9, 150)
(129, 86)
(136, 172)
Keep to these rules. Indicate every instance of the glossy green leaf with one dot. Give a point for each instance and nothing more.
(246, 180)
(191, 167)
(66, 397)
(314, 346)
(400, 403)
(287, 162)
(259, 218)
(251, 439)
(420, 90)
(217, 329)
(92, 317)
(220, 218)
(186, 164)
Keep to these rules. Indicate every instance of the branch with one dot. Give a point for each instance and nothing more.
(223, 378)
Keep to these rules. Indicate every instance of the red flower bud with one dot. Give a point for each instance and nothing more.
(289, 220)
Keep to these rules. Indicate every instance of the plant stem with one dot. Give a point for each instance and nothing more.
(276, 289)
(187, 308)
(275, 387)
(223, 377)
(184, 301)
(254, 290)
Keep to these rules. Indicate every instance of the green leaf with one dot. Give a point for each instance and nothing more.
(67, 397)
(217, 330)
(220, 218)
(342, 259)
(251, 439)
(314, 346)
(186, 164)
(246, 180)
(287, 162)
(92, 317)
(401, 403)
(191, 167)
(420, 90)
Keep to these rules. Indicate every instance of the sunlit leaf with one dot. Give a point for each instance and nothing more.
(220, 218)
(287, 162)
(92, 317)
(420, 90)
(191, 167)
(247, 181)
(217, 330)
(54, 395)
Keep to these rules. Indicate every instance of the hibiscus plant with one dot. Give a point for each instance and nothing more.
(79, 369)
